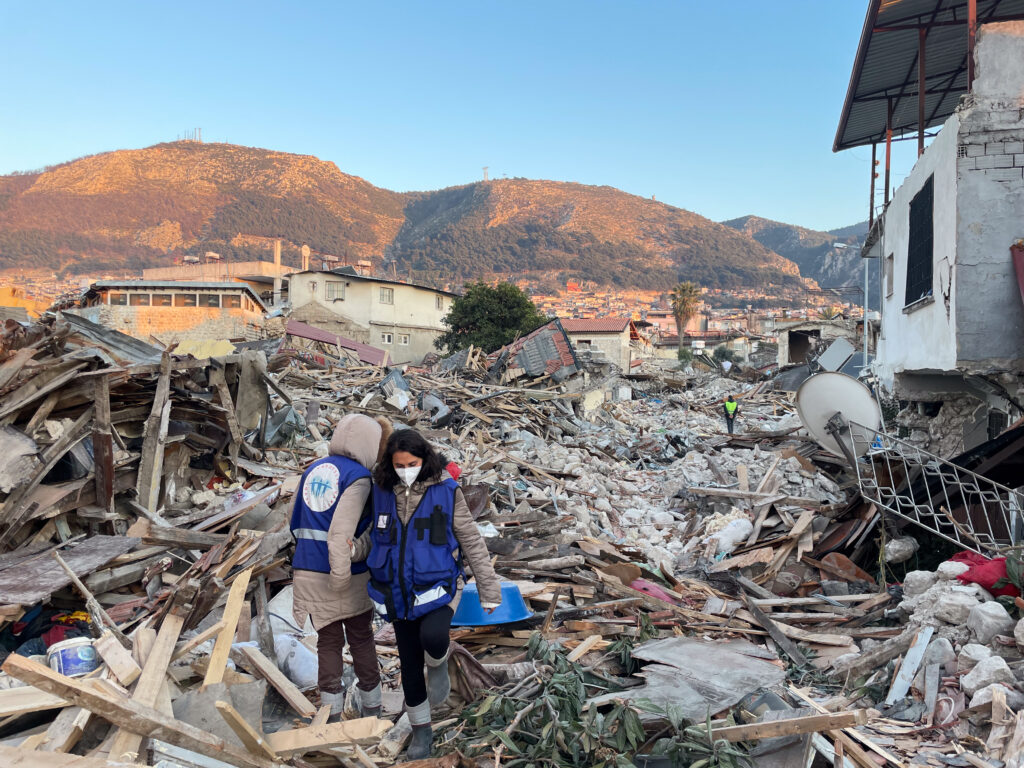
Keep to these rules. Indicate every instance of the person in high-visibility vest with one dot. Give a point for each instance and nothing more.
(731, 408)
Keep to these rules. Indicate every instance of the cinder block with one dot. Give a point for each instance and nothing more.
(973, 150)
(1018, 160)
(995, 148)
(1005, 174)
(966, 163)
(995, 161)
(1013, 147)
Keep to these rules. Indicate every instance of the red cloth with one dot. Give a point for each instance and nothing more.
(985, 573)
(454, 470)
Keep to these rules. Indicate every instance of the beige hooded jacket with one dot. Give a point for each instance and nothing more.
(471, 543)
(340, 594)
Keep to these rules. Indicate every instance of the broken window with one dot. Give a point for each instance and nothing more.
(387, 296)
(161, 299)
(889, 276)
(919, 249)
(335, 290)
(209, 299)
(118, 299)
(231, 301)
(138, 299)
(184, 300)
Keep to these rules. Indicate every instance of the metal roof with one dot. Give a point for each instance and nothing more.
(887, 58)
(595, 325)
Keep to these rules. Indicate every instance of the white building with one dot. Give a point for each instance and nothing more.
(401, 318)
(609, 335)
(952, 321)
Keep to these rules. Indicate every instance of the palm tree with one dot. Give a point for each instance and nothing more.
(685, 298)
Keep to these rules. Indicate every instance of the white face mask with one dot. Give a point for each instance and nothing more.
(408, 475)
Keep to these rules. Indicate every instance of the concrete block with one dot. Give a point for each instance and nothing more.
(955, 607)
(974, 150)
(970, 655)
(939, 651)
(1014, 698)
(1018, 161)
(1013, 147)
(950, 570)
(917, 582)
(1004, 174)
(988, 620)
(967, 163)
(994, 669)
(995, 161)
(995, 148)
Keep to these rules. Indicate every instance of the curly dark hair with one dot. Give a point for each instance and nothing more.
(413, 442)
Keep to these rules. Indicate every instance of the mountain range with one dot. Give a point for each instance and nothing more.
(123, 210)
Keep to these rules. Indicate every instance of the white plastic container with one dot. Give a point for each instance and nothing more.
(74, 658)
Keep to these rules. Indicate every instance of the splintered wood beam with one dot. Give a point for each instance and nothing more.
(268, 670)
(152, 461)
(130, 715)
(790, 727)
(103, 444)
(232, 610)
(252, 740)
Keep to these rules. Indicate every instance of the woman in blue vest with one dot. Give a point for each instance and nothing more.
(331, 509)
(422, 533)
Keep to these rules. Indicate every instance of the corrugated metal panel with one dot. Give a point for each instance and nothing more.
(886, 65)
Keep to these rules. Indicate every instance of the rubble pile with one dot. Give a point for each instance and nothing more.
(672, 571)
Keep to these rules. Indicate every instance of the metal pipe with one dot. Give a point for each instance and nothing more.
(888, 147)
(972, 33)
(922, 34)
(874, 174)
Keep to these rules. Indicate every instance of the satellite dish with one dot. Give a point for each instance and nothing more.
(824, 395)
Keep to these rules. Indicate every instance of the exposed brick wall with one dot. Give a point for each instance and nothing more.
(169, 324)
(1000, 158)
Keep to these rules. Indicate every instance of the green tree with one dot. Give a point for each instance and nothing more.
(723, 353)
(685, 298)
(488, 317)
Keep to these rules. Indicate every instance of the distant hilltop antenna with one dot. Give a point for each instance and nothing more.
(192, 134)
(485, 172)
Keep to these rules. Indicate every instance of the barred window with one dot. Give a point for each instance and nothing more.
(919, 250)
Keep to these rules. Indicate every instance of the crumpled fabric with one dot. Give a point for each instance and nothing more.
(468, 676)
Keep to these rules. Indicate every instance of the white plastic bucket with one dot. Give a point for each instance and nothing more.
(74, 658)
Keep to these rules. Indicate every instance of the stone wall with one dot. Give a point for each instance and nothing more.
(170, 324)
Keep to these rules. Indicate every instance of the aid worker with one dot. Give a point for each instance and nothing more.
(422, 532)
(331, 511)
(730, 408)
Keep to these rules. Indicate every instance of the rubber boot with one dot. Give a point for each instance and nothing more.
(439, 684)
(336, 701)
(422, 742)
(369, 702)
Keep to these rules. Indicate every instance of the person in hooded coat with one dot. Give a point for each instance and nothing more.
(422, 533)
(329, 574)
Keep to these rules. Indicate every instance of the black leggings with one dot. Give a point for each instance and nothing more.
(428, 633)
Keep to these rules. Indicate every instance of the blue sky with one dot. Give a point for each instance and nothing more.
(721, 108)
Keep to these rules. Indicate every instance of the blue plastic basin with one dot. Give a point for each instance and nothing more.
(471, 614)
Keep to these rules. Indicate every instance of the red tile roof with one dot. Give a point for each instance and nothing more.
(597, 325)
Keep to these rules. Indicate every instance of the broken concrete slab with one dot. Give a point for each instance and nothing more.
(994, 669)
(988, 620)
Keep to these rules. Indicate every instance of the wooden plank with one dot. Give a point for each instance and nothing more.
(846, 736)
(729, 493)
(776, 602)
(299, 741)
(911, 663)
(20, 701)
(584, 648)
(65, 732)
(130, 715)
(13, 757)
(252, 740)
(151, 681)
(103, 444)
(232, 610)
(776, 634)
(791, 726)
(168, 536)
(266, 669)
(198, 640)
(152, 461)
(795, 633)
(322, 715)
(118, 659)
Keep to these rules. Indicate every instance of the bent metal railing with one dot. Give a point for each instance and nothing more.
(967, 509)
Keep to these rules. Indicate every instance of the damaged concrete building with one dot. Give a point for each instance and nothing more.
(951, 347)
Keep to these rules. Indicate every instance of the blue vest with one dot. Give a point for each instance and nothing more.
(315, 501)
(413, 569)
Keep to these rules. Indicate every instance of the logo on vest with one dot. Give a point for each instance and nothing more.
(322, 487)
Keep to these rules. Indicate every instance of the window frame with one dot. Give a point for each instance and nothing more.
(387, 338)
(890, 275)
(236, 298)
(921, 245)
(182, 300)
(161, 297)
(206, 297)
(386, 295)
(331, 286)
(403, 339)
(122, 298)
(140, 303)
